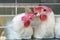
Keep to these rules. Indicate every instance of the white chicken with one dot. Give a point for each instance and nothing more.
(57, 27)
(45, 22)
(21, 27)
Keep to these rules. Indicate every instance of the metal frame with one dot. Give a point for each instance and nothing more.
(22, 5)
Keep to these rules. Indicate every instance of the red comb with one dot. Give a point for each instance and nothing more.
(37, 9)
(47, 8)
(28, 16)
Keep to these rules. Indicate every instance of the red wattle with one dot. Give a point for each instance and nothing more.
(43, 17)
(27, 23)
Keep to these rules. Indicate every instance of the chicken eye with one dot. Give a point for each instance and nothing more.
(44, 10)
(35, 13)
(30, 18)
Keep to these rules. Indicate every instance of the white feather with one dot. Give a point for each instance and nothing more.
(57, 27)
(45, 29)
(17, 30)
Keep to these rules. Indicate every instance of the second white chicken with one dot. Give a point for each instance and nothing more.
(45, 26)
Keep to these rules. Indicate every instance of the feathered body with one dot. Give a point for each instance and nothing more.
(45, 28)
(18, 30)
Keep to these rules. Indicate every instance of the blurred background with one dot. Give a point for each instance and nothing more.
(10, 8)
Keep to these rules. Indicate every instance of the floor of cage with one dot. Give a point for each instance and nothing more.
(4, 38)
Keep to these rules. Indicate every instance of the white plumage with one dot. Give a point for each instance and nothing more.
(39, 28)
(57, 27)
(45, 29)
(17, 30)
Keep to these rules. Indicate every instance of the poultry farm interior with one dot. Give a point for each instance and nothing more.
(8, 12)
